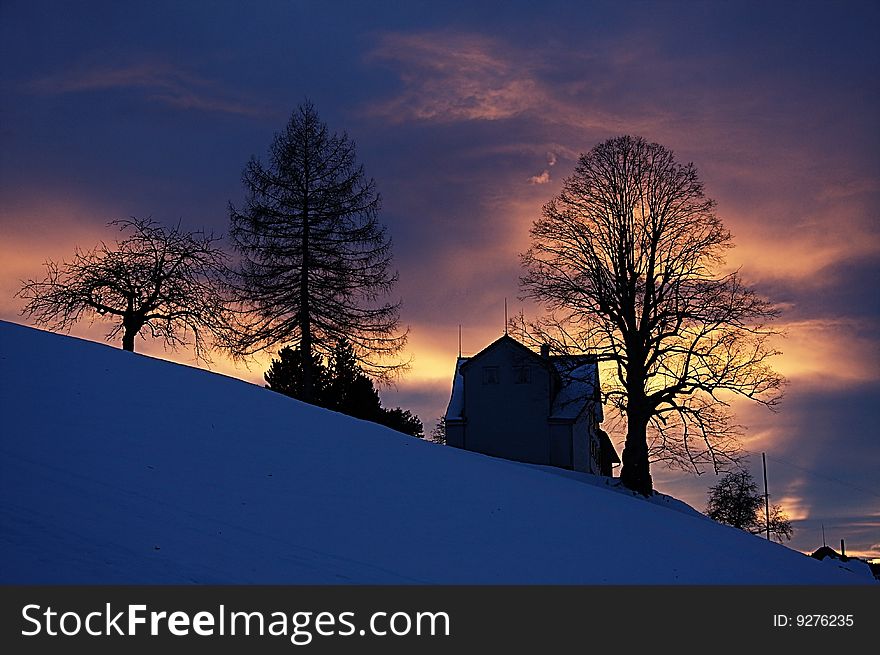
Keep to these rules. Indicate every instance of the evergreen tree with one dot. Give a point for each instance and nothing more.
(285, 375)
(314, 259)
(438, 434)
(350, 391)
(402, 420)
(341, 385)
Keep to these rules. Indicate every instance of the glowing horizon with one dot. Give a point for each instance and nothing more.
(468, 129)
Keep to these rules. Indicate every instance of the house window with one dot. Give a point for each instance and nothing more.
(522, 374)
(490, 375)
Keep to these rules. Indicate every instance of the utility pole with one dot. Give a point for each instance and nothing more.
(766, 497)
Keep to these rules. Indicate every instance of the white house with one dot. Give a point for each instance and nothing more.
(509, 401)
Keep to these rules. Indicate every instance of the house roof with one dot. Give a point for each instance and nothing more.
(578, 376)
(456, 401)
(505, 339)
(828, 551)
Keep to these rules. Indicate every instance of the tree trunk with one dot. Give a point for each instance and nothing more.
(305, 318)
(132, 322)
(128, 338)
(635, 473)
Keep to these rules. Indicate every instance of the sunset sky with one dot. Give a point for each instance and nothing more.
(469, 116)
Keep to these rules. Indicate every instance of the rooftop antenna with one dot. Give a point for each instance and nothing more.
(823, 535)
(505, 317)
(459, 340)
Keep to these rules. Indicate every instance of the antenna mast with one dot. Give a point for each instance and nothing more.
(505, 317)
(459, 340)
(766, 497)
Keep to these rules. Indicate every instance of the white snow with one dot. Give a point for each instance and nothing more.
(456, 398)
(119, 468)
(580, 379)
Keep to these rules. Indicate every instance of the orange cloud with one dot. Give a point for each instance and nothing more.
(454, 76)
(792, 214)
(833, 353)
(542, 178)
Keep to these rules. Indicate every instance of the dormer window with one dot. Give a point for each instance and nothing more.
(522, 375)
(490, 375)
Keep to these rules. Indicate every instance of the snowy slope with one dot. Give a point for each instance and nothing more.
(119, 468)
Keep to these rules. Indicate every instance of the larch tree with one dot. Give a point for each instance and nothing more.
(314, 259)
(165, 283)
(627, 259)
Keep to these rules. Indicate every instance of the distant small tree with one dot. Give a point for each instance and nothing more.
(403, 421)
(438, 434)
(735, 501)
(164, 281)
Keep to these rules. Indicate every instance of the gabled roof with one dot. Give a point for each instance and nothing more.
(828, 551)
(503, 340)
(578, 377)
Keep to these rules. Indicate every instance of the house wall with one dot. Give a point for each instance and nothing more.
(560, 445)
(455, 434)
(581, 436)
(507, 419)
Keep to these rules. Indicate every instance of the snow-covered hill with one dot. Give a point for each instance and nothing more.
(119, 468)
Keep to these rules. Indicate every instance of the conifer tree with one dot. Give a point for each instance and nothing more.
(285, 375)
(314, 260)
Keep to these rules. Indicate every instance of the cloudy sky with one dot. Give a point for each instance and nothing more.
(469, 116)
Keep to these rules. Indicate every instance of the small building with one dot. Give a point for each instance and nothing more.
(509, 401)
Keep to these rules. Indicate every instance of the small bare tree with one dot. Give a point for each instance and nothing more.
(626, 258)
(167, 281)
(735, 501)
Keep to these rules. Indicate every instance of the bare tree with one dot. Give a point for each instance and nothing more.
(166, 282)
(735, 501)
(314, 259)
(626, 258)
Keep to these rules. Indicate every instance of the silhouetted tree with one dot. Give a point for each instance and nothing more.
(438, 434)
(627, 258)
(165, 281)
(285, 375)
(402, 420)
(314, 259)
(349, 390)
(341, 385)
(735, 501)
